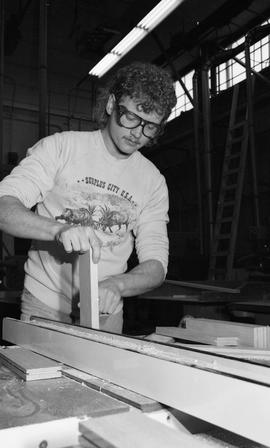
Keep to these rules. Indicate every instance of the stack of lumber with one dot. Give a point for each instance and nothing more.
(197, 336)
(220, 333)
(29, 365)
(251, 335)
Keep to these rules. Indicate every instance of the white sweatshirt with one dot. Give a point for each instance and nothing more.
(72, 177)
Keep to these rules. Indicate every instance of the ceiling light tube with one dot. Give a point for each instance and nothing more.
(147, 24)
(104, 64)
(158, 13)
(129, 41)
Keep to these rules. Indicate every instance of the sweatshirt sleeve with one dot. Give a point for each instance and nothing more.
(151, 231)
(35, 175)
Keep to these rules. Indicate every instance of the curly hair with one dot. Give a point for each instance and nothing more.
(146, 82)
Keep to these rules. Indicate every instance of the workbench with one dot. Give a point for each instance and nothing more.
(156, 391)
(169, 303)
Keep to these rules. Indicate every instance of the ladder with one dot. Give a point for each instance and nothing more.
(230, 195)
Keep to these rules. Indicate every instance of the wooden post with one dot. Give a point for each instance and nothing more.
(89, 309)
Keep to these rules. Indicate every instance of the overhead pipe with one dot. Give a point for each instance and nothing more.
(207, 149)
(251, 134)
(43, 68)
(196, 127)
(2, 28)
(2, 25)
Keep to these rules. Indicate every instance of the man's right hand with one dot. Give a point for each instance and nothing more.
(79, 239)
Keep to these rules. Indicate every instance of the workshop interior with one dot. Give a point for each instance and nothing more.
(191, 367)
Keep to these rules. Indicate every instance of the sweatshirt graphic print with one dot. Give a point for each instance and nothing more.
(109, 215)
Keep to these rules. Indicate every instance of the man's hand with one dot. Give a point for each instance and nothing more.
(109, 296)
(79, 239)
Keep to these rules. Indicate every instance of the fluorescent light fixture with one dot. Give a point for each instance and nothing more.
(144, 27)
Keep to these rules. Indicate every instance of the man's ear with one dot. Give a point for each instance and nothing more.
(110, 104)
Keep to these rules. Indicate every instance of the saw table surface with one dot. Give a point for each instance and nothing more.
(23, 404)
(185, 383)
(39, 401)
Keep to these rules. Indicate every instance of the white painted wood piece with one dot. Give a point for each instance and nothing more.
(135, 430)
(89, 307)
(230, 402)
(165, 352)
(57, 433)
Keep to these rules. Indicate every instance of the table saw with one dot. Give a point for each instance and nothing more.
(108, 379)
(123, 392)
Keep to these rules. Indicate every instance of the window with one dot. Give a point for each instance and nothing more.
(183, 104)
(231, 72)
(228, 73)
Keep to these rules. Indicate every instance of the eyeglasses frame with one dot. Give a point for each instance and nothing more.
(142, 121)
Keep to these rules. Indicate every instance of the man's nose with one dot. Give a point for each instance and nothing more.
(137, 132)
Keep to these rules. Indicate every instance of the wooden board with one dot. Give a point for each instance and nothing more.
(158, 338)
(177, 293)
(141, 402)
(89, 307)
(30, 335)
(201, 337)
(248, 334)
(211, 286)
(137, 431)
(240, 352)
(29, 365)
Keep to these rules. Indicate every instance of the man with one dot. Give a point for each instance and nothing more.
(94, 189)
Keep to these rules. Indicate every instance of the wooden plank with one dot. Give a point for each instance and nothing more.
(248, 334)
(202, 321)
(29, 365)
(158, 350)
(159, 338)
(211, 286)
(192, 335)
(137, 431)
(174, 298)
(141, 402)
(241, 352)
(32, 376)
(176, 292)
(89, 307)
(199, 392)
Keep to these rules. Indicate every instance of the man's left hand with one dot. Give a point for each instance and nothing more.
(109, 296)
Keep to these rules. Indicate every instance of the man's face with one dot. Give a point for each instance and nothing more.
(129, 128)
